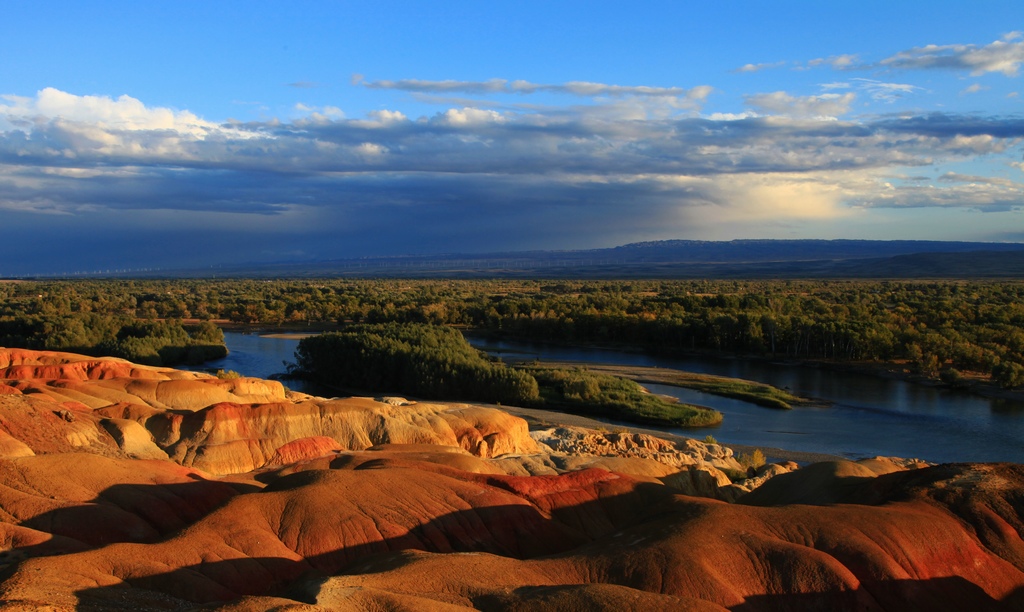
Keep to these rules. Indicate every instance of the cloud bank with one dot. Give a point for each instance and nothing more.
(474, 178)
(503, 86)
(1004, 56)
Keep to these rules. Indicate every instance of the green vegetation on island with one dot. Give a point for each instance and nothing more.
(427, 361)
(434, 362)
(736, 388)
(584, 392)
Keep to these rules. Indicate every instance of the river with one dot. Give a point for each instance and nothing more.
(868, 416)
(252, 354)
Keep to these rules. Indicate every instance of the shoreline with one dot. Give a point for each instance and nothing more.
(549, 418)
(704, 383)
(889, 370)
(883, 370)
(543, 416)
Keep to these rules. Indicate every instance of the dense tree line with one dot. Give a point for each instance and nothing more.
(436, 362)
(937, 328)
(46, 325)
(426, 361)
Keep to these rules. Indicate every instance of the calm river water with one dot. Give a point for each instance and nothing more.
(868, 416)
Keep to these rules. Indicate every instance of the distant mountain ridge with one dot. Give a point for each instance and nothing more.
(671, 259)
(761, 251)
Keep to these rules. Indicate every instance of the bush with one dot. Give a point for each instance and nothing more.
(1008, 374)
(754, 459)
(952, 377)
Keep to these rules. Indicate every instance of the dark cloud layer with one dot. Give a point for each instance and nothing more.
(74, 168)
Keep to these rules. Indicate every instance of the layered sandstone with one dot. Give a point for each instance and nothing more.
(123, 486)
(59, 402)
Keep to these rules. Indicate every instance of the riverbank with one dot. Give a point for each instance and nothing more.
(866, 416)
(974, 385)
(543, 419)
(888, 370)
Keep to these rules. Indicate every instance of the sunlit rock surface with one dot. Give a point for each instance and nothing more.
(124, 486)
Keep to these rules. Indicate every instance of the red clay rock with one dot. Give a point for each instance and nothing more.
(304, 448)
(353, 518)
(220, 426)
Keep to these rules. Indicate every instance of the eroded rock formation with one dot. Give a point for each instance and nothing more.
(146, 488)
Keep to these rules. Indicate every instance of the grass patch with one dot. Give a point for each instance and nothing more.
(748, 391)
(580, 391)
(736, 388)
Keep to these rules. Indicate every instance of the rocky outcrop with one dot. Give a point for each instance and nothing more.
(433, 536)
(59, 402)
(691, 467)
(268, 500)
(580, 441)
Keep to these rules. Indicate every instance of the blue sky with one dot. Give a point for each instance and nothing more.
(166, 134)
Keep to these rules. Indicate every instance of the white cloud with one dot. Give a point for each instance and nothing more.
(973, 88)
(838, 62)
(883, 91)
(759, 67)
(824, 106)
(781, 162)
(1003, 56)
(371, 150)
(73, 127)
(732, 116)
(123, 113)
(383, 118)
(446, 86)
(985, 195)
(973, 179)
(877, 90)
(699, 92)
(521, 172)
(468, 117)
(499, 86)
(320, 113)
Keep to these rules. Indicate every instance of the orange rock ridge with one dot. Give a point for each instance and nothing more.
(147, 488)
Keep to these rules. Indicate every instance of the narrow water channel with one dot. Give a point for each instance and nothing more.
(868, 416)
